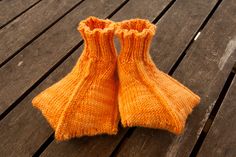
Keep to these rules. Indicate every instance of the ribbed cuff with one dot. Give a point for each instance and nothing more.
(98, 36)
(135, 37)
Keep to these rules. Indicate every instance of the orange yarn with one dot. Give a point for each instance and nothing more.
(147, 96)
(85, 101)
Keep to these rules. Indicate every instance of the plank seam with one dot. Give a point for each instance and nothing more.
(131, 130)
(38, 35)
(181, 57)
(163, 12)
(213, 114)
(11, 107)
(174, 67)
(49, 140)
(117, 9)
(210, 15)
(31, 6)
(44, 145)
(122, 142)
(234, 68)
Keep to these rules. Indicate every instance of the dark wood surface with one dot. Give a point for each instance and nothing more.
(220, 140)
(9, 10)
(57, 75)
(141, 9)
(28, 26)
(30, 117)
(41, 46)
(42, 54)
(104, 143)
(204, 69)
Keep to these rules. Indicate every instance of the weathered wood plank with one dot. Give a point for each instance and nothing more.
(176, 30)
(141, 9)
(204, 70)
(105, 145)
(41, 55)
(29, 25)
(24, 129)
(99, 146)
(22, 119)
(220, 140)
(45, 52)
(11, 9)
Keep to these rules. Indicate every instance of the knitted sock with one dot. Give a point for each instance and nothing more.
(147, 96)
(85, 101)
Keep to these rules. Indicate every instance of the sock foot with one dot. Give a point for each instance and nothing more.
(84, 102)
(147, 96)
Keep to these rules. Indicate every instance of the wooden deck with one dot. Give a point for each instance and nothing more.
(195, 43)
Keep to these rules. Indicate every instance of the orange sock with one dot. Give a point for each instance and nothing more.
(147, 96)
(85, 101)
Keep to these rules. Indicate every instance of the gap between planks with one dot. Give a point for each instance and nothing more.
(71, 53)
(51, 137)
(28, 148)
(197, 34)
(173, 68)
(213, 114)
(31, 6)
(39, 34)
(131, 130)
(11, 107)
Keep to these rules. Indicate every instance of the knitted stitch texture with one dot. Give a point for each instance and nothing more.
(85, 101)
(147, 96)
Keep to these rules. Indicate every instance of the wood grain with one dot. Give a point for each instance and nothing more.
(41, 55)
(11, 9)
(25, 129)
(30, 24)
(103, 146)
(38, 124)
(141, 9)
(200, 71)
(99, 146)
(220, 140)
(204, 69)
(176, 29)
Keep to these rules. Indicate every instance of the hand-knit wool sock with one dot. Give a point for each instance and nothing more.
(147, 96)
(85, 101)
